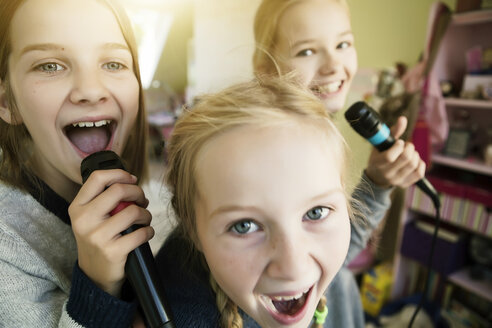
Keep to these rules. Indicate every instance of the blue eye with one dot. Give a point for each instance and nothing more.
(50, 67)
(305, 53)
(343, 45)
(317, 213)
(244, 227)
(114, 66)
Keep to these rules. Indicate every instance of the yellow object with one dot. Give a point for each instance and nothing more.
(376, 288)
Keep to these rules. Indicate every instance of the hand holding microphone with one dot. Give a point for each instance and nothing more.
(92, 227)
(367, 123)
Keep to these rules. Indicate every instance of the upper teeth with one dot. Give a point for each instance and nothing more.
(330, 87)
(289, 298)
(91, 124)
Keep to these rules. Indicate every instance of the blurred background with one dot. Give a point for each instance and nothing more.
(189, 47)
(203, 45)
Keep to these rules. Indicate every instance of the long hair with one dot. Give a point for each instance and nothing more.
(265, 29)
(275, 101)
(15, 140)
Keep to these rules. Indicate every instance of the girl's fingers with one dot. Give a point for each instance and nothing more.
(113, 226)
(409, 163)
(117, 193)
(398, 166)
(407, 159)
(127, 243)
(100, 180)
(87, 216)
(391, 155)
(399, 127)
(412, 177)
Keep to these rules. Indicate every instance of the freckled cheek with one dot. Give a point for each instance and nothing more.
(37, 105)
(335, 247)
(231, 271)
(221, 257)
(128, 98)
(229, 260)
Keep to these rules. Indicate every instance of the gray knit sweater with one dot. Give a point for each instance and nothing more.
(40, 282)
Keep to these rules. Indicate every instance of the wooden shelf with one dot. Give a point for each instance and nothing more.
(486, 104)
(474, 166)
(472, 17)
(482, 288)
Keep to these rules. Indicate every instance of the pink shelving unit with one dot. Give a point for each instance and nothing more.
(465, 31)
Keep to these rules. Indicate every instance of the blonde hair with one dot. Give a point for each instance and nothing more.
(263, 102)
(15, 140)
(265, 31)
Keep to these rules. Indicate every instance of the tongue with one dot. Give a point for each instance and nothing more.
(89, 140)
(288, 307)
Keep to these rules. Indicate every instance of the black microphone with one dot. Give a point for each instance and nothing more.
(140, 267)
(366, 122)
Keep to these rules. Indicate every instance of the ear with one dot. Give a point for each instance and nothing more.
(5, 112)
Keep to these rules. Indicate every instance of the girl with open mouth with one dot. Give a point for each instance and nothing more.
(257, 173)
(69, 87)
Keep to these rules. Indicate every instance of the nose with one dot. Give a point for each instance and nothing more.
(87, 88)
(289, 257)
(329, 63)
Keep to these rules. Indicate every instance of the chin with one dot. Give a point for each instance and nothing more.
(333, 107)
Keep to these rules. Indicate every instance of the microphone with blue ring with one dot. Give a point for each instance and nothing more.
(366, 122)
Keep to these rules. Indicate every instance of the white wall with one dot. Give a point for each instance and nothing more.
(223, 43)
(386, 31)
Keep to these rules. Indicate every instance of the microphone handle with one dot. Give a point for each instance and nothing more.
(141, 271)
(140, 267)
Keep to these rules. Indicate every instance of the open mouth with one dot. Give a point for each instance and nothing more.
(287, 309)
(328, 88)
(90, 137)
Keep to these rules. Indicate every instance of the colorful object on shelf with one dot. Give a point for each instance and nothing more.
(474, 60)
(474, 86)
(462, 205)
(376, 288)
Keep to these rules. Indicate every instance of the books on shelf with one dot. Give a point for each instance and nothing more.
(457, 210)
(450, 236)
(459, 315)
(439, 289)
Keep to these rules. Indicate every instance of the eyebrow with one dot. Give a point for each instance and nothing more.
(329, 193)
(41, 47)
(56, 47)
(231, 208)
(301, 42)
(116, 46)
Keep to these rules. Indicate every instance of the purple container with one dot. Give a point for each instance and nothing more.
(448, 256)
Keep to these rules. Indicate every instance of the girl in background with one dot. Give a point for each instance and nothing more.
(69, 86)
(314, 39)
(257, 173)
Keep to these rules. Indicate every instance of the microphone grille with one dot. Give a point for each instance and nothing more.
(363, 119)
